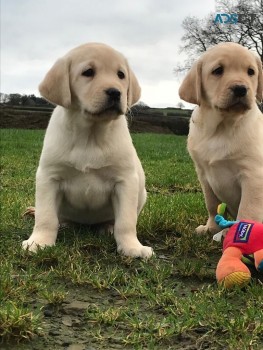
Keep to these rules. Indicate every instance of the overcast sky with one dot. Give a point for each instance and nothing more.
(34, 33)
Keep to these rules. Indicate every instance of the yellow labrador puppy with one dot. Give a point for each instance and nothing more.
(89, 171)
(226, 130)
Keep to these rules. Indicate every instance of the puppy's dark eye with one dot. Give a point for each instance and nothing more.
(121, 75)
(89, 72)
(250, 71)
(218, 71)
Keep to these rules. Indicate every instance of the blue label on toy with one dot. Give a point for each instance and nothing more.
(243, 232)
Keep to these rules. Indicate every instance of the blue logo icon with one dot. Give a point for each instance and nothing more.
(233, 18)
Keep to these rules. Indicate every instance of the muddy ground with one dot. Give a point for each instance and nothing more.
(65, 327)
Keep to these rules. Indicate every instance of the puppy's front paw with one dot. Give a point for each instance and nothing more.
(201, 229)
(33, 244)
(205, 229)
(135, 250)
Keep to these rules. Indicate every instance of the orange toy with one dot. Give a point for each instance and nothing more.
(243, 237)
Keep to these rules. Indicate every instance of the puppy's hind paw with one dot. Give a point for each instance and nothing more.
(107, 228)
(30, 211)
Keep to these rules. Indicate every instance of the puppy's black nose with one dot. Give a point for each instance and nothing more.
(239, 90)
(114, 94)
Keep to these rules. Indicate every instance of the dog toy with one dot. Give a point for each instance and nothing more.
(243, 241)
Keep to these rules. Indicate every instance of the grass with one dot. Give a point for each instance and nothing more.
(168, 302)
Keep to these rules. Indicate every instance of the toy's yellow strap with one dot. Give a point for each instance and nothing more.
(221, 209)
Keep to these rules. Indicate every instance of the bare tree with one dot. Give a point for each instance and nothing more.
(4, 98)
(200, 34)
(180, 105)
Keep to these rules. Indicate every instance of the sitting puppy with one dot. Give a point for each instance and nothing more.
(226, 130)
(89, 171)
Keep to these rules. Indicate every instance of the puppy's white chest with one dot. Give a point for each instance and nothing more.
(91, 188)
(214, 157)
(211, 150)
(87, 160)
(88, 177)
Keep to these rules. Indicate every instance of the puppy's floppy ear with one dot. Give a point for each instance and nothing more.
(55, 87)
(134, 90)
(190, 89)
(260, 81)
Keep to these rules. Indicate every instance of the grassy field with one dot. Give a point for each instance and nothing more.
(81, 295)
